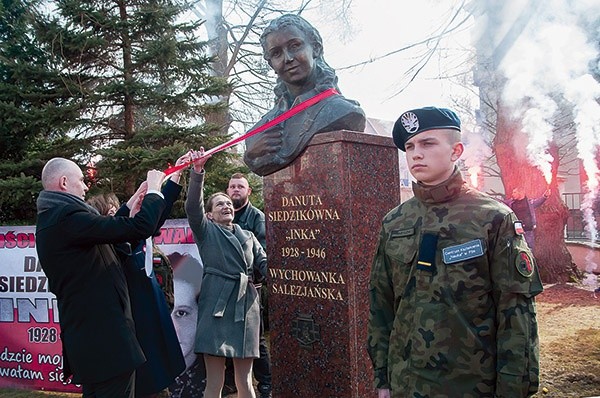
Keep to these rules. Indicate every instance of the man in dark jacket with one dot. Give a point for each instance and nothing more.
(246, 216)
(524, 208)
(75, 249)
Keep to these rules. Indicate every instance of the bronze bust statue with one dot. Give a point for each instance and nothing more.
(294, 49)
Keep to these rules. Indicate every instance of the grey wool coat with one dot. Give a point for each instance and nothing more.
(228, 305)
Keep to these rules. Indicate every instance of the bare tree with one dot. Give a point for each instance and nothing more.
(510, 142)
(504, 133)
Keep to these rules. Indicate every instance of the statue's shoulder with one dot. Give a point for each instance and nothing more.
(343, 103)
(332, 113)
(341, 113)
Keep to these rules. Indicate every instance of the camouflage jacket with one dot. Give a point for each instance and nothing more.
(452, 310)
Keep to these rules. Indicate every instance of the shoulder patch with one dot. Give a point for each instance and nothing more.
(524, 264)
(519, 230)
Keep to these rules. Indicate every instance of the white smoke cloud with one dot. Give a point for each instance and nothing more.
(552, 59)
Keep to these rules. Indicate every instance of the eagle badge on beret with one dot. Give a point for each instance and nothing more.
(416, 121)
(524, 264)
(410, 122)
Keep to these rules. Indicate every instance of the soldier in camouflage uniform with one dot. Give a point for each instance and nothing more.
(452, 286)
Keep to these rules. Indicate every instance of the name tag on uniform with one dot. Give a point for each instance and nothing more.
(402, 233)
(462, 252)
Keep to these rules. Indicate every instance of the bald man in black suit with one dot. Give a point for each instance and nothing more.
(75, 249)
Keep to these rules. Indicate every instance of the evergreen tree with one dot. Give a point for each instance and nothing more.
(141, 80)
(33, 107)
(135, 80)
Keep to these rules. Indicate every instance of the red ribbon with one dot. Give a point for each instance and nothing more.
(284, 116)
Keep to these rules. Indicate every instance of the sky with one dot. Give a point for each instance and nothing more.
(378, 27)
(552, 54)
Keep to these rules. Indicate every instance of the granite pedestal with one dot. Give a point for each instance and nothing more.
(323, 217)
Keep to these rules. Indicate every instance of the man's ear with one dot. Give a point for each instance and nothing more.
(457, 150)
(62, 183)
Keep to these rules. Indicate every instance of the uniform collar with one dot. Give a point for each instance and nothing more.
(442, 192)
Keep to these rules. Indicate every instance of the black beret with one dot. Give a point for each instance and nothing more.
(419, 120)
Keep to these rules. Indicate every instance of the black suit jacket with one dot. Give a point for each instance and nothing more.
(74, 246)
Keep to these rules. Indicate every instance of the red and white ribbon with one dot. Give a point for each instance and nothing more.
(284, 116)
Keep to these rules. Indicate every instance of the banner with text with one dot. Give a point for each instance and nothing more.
(30, 348)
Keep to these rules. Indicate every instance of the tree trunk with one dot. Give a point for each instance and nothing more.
(550, 248)
(510, 142)
(553, 258)
(128, 105)
(218, 43)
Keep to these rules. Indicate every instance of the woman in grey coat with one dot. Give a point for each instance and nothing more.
(228, 305)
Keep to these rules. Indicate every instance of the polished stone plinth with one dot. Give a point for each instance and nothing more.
(323, 216)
